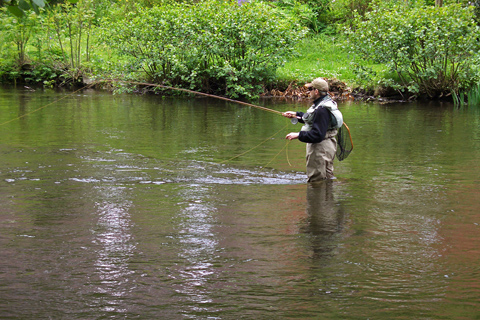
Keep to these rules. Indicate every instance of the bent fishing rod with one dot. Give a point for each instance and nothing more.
(293, 120)
(193, 92)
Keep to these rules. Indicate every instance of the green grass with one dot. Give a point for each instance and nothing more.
(323, 56)
(469, 99)
(473, 96)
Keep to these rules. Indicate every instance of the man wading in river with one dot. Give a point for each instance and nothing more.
(319, 131)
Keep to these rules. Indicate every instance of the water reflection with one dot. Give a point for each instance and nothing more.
(325, 220)
(110, 215)
(117, 246)
(198, 246)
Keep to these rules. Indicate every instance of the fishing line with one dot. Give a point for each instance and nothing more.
(29, 113)
(188, 91)
(275, 156)
(221, 98)
(258, 145)
(286, 153)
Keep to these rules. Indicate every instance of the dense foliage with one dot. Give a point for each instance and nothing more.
(48, 47)
(433, 50)
(314, 14)
(214, 46)
(239, 47)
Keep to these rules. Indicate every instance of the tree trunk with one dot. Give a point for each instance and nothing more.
(438, 3)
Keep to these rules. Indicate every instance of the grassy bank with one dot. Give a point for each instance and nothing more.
(318, 56)
(328, 57)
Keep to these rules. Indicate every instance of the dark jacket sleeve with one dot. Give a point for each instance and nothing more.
(299, 117)
(321, 122)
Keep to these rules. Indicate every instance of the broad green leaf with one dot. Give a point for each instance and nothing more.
(22, 4)
(16, 11)
(39, 3)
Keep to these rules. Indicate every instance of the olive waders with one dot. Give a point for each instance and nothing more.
(320, 157)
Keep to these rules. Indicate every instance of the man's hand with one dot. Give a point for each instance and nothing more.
(292, 135)
(289, 114)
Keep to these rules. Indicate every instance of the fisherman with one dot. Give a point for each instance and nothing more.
(318, 132)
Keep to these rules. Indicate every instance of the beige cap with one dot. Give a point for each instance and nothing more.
(319, 84)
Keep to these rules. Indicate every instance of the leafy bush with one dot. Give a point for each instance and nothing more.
(314, 14)
(19, 31)
(213, 46)
(432, 50)
(344, 11)
(71, 26)
(300, 11)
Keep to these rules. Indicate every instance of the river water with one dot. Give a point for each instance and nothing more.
(143, 207)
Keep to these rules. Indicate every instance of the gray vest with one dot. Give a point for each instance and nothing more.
(336, 118)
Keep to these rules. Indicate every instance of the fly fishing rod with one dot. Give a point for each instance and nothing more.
(216, 97)
(293, 120)
(343, 137)
(193, 92)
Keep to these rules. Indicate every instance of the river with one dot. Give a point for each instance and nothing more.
(143, 207)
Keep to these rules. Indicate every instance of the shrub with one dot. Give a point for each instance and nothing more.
(213, 46)
(300, 11)
(314, 14)
(19, 31)
(344, 10)
(71, 26)
(432, 50)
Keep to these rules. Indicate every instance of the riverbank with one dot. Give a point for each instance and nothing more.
(296, 90)
(331, 62)
(340, 91)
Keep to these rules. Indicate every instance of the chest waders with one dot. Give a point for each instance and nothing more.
(320, 155)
